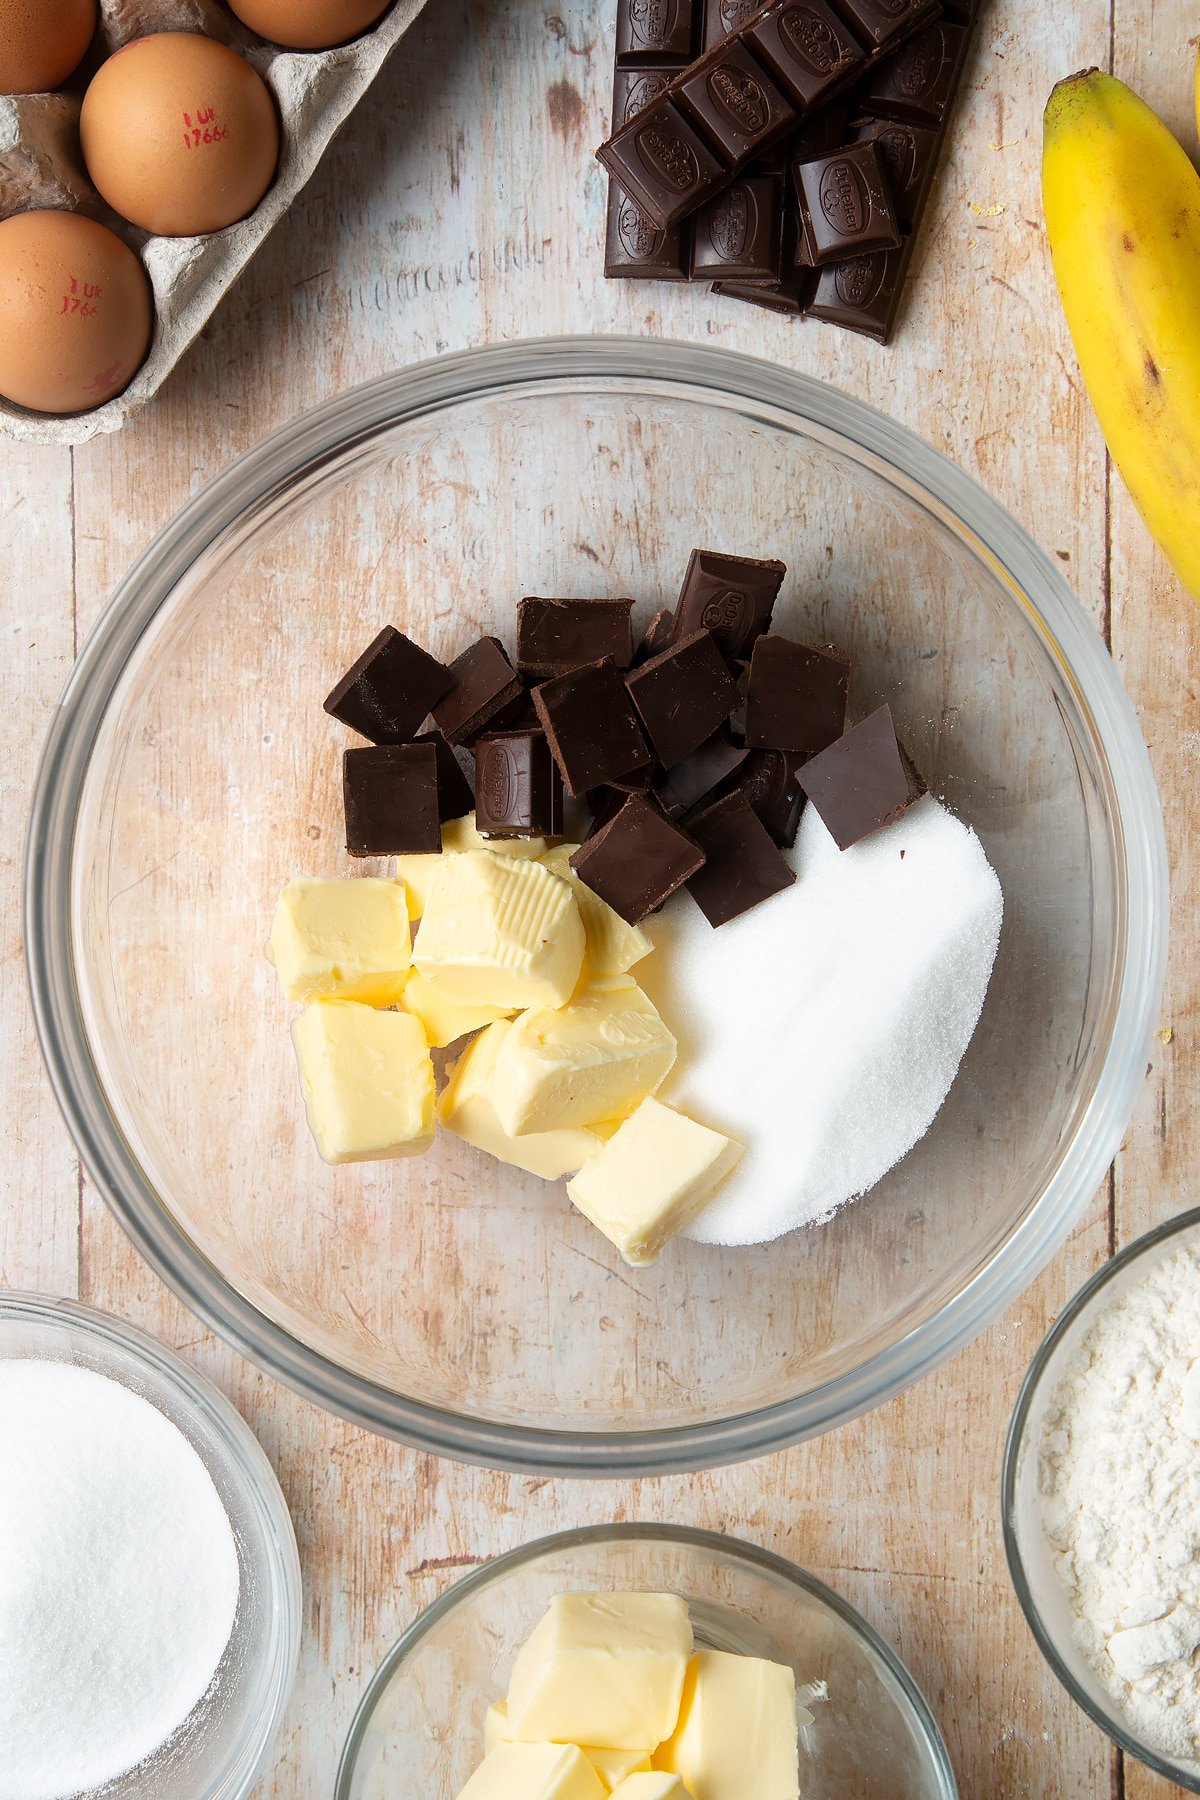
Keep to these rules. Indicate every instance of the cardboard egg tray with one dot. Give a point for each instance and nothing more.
(41, 166)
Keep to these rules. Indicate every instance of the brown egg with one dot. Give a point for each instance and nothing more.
(42, 41)
(76, 312)
(308, 24)
(179, 134)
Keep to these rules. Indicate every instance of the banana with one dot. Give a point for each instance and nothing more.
(1122, 206)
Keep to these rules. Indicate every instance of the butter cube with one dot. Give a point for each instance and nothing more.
(461, 834)
(534, 1772)
(445, 1021)
(593, 1059)
(347, 939)
(651, 1179)
(612, 1766)
(602, 1669)
(458, 835)
(500, 931)
(465, 1107)
(737, 1730)
(613, 945)
(367, 1079)
(658, 1786)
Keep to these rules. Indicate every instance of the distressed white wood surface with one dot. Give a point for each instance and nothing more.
(461, 206)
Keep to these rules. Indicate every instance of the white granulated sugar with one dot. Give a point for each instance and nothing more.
(823, 1028)
(118, 1579)
(1119, 1479)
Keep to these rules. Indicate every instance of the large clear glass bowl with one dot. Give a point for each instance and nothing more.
(225, 1743)
(419, 1729)
(1031, 1561)
(190, 772)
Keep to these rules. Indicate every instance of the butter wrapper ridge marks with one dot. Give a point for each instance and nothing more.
(41, 166)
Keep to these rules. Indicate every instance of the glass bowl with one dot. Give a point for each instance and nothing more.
(1030, 1558)
(419, 1728)
(190, 772)
(223, 1746)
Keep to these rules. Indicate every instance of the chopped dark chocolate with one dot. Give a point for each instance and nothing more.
(742, 863)
(797, 695)
(683, 695)
(391, 798)
(591, 725)
(661, 162)
(455, 795)
(389, 691)
(731, 596)
(735, 102)
(845, 207)
(808, 49)
(920, 81)
(555, 636)
(908, 154)
(738, 236)
(650, 29)
(699, 774)
(637, 860)
(486, 691)
(770, 781)
(864, 293)
(657, 635)
(863, 781)
(518, 789)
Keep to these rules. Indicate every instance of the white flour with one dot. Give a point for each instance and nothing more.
(118, 1579)
(1119, 1476)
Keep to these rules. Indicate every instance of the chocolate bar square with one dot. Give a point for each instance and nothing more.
(845, 207)
(591, 725)
(649, 29)
(455, 796)
(908, 154)
(742, 863)
(389, 691)
(920, 81)
(797, 695)
(882, 23)
(736, 104)
(683, 695)
(731, 596)
(699, 774)
(662, 163)
(391, 799)
(808, 49)
(555, 636)
(518, 789)
(636, 860)
(487, 690)
(864, 293)
(739, 235)
(862, 782)
(770, 780)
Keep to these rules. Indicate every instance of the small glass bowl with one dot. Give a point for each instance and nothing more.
(223, 1746)
(419, 1728)
(1030, 1559)
(190, 773)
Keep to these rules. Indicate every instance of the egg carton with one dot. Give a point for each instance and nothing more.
(41, 166)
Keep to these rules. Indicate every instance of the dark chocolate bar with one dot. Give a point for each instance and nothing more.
(845, 207)
(390, 793)
(734, 101)
(731, 596)
(810, 51)
(882, 24)
(554, 636)
(920, 81)
(660, 161)
(634, 247)
(518, 789)
(683, 695)
(487, 691)
(591, 725)
(742, 866)
(650, 30)
(637, 860)
(739, 235)
(863, 781)
(908, 154)
(387, 693)
(797, 695)
(864, 294)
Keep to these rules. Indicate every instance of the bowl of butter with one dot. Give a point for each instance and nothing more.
(649, 1662)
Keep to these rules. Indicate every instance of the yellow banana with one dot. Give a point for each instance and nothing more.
(1122, 204)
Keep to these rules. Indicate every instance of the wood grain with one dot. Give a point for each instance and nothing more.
(459, 206)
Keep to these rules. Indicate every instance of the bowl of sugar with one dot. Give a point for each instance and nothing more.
(466, 1305)
(149, 1580)
(1101, 1475)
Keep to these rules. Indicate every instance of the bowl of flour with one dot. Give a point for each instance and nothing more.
(149, 1580)
(1102, 1499)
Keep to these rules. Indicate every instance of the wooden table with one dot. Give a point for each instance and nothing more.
(461, 206)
